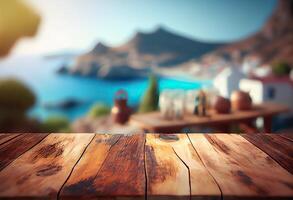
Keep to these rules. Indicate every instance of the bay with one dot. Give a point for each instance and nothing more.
(40, 75)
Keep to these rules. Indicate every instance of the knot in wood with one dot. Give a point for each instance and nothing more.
(172, 137)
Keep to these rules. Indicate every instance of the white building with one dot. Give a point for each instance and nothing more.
(228, 80)
(269, 89)
(250, 64)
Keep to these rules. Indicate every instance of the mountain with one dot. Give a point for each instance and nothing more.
(160, 48)
(273, 42)
(165, 48)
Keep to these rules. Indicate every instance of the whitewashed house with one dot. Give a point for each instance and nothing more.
(269, 89)
(228, 80)
(250, 64)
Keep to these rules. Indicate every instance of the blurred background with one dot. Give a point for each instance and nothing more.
(102, 66)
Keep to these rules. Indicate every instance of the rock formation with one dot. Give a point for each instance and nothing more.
(272, 43)
(135, 58)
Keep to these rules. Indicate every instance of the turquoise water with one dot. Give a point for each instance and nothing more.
(49, 87)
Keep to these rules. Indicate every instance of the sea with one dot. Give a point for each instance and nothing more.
(39, 73)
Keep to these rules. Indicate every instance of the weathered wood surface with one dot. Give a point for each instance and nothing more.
(112, 167)
(167, 176)
(152, 166)
(16, 146)
(40, 172)
(81, 181)
(4, 137)
(202, 184)
(241, 169)
(276, 146)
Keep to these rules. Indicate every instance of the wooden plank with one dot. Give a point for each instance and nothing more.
(13, 148)
(289, 136)
(279, 148)
(122, 174)
(4, 137)
(203, 185)
(241, 169)
(115, 171)
(81, 181)
(167, 176)
(40, 172)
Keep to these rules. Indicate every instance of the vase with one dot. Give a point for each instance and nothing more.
(241, 100)
(120, 111)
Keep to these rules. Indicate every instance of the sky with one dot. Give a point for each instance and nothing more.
(77, 25)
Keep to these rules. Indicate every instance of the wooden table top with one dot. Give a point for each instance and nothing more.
(152, 166)
(154, 120)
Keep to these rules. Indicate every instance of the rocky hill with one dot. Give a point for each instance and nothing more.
(163, 49)
(160, 48)
(273, 42)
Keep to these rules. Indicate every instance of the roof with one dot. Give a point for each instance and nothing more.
(274, 79)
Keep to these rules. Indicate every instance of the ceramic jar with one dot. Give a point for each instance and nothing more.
(120, 111)
(241, 100)
(221, 105)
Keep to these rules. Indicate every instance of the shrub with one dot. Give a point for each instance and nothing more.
(99, 110)
(281, 68)
(56, 124)
(150, 99)
(11, 119)
(15, 95)
(15, 100)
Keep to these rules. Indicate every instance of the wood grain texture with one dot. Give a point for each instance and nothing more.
(289, 136)
(4, 137)
(241, 169)
(40, 172)
(112, 167)
(122, 175)
(81, 182)
(278, 147)
(13, 148)
(167, 166)
(167, 176)
(202, 183)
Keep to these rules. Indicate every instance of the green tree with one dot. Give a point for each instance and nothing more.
(281, 68)
(150, 99)
(56, 124)
(98, 110)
